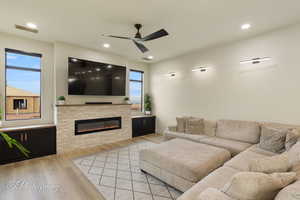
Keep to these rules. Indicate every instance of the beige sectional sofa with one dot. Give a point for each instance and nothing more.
(240, 138)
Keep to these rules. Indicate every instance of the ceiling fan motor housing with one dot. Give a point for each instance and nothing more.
(138, 34)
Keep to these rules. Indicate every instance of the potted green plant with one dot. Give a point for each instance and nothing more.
(11, 142)
(127, 100)
(61, 100)
(148, 104)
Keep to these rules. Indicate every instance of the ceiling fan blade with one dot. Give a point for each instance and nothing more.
(119, 37)
(156, 35)
(140, 46)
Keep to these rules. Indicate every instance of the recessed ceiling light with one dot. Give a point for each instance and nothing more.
(106, 45)
(31, 25)
(245, 26)
(109, 66)
(150, 57)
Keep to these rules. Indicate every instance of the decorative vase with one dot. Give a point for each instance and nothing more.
(60, 102)
(128, 102)
(148, 112)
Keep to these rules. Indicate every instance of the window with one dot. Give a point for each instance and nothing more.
(20, 104)
(23, 85)
(136, 85)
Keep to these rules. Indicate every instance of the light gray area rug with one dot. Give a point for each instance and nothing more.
(116, 174)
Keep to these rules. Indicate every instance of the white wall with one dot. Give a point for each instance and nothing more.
(266, 92)
(47, 88)
(63, 51)
(55, 73)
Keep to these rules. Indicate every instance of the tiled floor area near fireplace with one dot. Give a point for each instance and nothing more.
(116, 174)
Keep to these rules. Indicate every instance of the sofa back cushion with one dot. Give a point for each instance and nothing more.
(210, 127)
(257, 186)
(244, 131)
(290, 192)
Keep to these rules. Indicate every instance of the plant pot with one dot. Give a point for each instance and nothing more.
(60, 102)
(148, 112)
(128, 102)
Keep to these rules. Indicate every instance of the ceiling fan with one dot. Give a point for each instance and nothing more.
(138, 39)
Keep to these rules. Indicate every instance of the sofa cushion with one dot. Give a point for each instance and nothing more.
(217, 179)
(186, 159)
(292, 137)
(195, 126)
(171, 135)
(244, 131)
(210, 127)
(272, 139)
(235, 147)
(291, 192)
(255, 148)
(213, 194)
(242, 161)
(273, 164)
(257, 186)
(294, 155)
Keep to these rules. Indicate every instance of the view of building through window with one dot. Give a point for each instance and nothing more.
(23, 85)
(136, 89)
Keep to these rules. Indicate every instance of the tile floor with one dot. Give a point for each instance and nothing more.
(116, 174)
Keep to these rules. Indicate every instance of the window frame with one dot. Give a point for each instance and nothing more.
(142, 85)
(8, 50)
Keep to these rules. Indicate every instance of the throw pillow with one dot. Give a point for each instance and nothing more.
(195, 126)
(279, 163)
(292, 137)
(257, 186)
(272, 139)
(181, 124)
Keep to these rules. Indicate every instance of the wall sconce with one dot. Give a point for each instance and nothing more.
(171, 74)
(200, 69)
(255, 60)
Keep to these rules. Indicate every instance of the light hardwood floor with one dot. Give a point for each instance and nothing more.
(54, 177)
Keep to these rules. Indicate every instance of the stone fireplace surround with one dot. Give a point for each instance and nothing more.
(67, 141)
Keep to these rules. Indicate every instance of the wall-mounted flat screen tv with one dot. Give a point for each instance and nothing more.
(94, 78)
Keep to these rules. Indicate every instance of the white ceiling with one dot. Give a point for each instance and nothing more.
(192, 24)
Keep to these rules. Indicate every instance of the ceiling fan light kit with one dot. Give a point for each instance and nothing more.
(138, 40)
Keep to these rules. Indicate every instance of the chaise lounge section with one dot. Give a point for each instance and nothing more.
(182, 163)
(240, 138)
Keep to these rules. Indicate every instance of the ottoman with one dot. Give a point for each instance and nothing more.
(182, 163)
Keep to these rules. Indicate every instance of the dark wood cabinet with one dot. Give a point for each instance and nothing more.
(143, 125)
(39, 141)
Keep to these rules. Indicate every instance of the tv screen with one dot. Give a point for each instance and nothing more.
(93, 78)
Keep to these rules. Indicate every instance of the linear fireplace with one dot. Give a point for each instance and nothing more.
(97, 125)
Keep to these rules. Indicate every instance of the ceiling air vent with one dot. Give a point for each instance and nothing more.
(24, 28)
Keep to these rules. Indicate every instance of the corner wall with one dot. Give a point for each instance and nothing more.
(266, 92)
